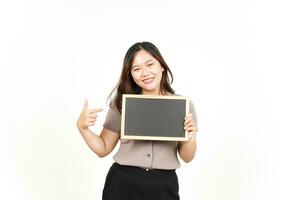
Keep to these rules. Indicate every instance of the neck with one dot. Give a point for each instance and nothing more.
(155, 92)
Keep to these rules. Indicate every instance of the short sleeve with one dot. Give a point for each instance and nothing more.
(113, 119)
(193, 111)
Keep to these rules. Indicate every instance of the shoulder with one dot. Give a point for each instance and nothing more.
(190, 101)
(113, 103)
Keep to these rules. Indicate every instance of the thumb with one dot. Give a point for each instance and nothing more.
(85, 106)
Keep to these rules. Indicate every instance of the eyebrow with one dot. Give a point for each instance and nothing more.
(145, 62)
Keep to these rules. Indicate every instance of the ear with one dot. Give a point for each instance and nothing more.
(162, 69)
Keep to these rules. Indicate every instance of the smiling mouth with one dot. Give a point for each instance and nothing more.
(148, 80)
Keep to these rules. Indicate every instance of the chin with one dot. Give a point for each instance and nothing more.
(148, 90)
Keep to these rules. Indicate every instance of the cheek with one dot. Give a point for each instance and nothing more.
(135, 77)
(158, 73)
(158, 70)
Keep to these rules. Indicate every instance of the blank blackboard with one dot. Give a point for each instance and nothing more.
(147, 117)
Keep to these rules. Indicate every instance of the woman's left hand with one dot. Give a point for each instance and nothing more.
(189, 125)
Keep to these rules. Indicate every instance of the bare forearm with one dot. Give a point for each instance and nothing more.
(94, 142)
(187, 149)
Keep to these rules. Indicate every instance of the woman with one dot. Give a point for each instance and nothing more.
(142, 169)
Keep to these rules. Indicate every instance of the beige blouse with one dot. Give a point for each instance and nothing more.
(142, 153)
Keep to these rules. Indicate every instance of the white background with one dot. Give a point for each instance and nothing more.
(237, 60)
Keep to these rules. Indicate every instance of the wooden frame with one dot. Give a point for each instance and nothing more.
(154, 115)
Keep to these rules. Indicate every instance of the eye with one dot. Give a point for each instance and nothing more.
(136, 69)
(150, 64)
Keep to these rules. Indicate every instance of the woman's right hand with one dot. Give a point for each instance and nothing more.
(87, 117)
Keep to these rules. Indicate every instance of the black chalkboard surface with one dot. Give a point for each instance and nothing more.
(147, 117)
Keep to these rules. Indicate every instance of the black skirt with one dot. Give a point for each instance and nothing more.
(134, 183)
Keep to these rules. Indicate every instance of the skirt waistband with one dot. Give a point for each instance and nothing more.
(144, 172)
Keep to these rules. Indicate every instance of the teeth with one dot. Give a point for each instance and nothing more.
(148, 80)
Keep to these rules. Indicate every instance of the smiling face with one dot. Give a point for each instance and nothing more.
(147, 72)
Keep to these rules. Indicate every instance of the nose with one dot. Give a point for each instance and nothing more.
(145, 71)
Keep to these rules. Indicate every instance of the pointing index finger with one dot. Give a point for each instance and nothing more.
(95, 110)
